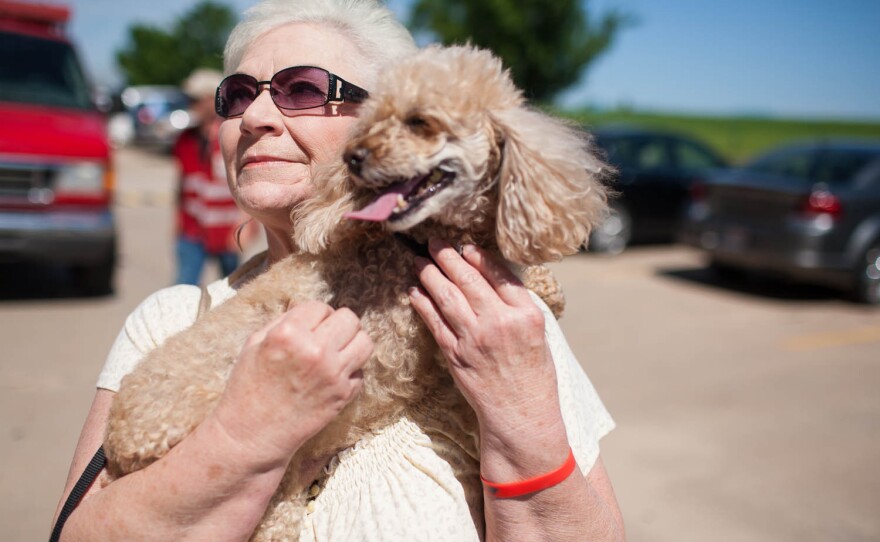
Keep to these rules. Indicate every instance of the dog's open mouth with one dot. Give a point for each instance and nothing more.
(401, 198)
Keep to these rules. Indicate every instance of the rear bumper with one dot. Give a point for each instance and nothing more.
(797, 249)
(64, 237)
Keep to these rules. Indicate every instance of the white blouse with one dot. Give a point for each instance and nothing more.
(394, 485)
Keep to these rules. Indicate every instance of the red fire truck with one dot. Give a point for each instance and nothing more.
(56, 174)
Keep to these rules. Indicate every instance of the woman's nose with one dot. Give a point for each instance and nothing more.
(262, 116)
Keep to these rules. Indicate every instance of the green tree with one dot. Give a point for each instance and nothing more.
(547, 44)
(155, 56)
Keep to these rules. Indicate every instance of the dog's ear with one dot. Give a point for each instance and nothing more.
(319, 220)
(550, 183)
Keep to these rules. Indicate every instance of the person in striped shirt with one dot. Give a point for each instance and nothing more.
(207, 213)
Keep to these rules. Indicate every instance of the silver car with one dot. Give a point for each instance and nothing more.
(156, 113)
(809, 211)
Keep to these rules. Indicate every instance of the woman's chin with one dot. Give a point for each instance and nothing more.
(270, 199)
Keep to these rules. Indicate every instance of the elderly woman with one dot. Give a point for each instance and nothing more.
(532, 400)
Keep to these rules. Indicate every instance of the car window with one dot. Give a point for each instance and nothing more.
(639, 153)
(837, 167)
(41, 71)
(870, 175)
(621, 151)
(653, 154)
(691, 157)
(787, 163)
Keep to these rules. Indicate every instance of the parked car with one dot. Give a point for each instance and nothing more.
(655, 173)
(56, 174)
(152, 115)
(808, 211)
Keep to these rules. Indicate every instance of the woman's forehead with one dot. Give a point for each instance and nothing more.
(303, 44)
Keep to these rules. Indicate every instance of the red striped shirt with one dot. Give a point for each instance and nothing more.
(207, 212)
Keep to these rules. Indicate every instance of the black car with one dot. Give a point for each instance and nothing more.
(656, 171)
(809, 211)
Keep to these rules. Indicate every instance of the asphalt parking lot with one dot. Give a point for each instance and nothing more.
(746, 411)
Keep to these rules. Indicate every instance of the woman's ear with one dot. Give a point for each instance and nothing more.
(550, 186)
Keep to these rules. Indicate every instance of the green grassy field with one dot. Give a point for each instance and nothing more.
(737, 138)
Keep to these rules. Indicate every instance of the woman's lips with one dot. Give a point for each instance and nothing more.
(262, 161)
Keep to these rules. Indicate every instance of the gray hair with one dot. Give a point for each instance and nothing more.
(378, 35)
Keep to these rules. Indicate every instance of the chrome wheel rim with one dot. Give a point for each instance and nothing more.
(871, 275)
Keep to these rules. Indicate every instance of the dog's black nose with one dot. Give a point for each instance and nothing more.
(355, 158)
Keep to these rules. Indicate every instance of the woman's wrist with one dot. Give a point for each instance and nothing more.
(245, 448)
(523, 448)
(520, 488)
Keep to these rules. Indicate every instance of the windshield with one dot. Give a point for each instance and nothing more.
(41, 71)
(816, 164)
(841, 166)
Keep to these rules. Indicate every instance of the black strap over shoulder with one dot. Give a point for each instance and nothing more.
(79, 490)
(93, 469)
(204, 303)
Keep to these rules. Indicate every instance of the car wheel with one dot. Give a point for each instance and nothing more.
(867, 288)
(95, 279)
(613, 234)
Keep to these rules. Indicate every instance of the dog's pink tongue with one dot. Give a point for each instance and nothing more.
(379, 210)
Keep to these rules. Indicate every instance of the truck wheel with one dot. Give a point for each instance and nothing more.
(95, 279)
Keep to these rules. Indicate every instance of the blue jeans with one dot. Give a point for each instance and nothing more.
(191, 256)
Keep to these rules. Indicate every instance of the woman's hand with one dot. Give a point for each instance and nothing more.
(492, 334)
(292, 378)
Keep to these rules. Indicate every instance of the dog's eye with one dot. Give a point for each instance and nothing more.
(416, 122)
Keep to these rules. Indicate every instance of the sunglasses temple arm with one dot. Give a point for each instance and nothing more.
(342, 90)
(352, 93)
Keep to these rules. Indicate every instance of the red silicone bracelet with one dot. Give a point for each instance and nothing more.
(532, 485)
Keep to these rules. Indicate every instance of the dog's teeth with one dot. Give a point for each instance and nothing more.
(401, 203)
(436, 176)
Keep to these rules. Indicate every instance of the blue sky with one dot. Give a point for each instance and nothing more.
(784, 58)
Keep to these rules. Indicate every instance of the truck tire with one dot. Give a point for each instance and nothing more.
(95, 280)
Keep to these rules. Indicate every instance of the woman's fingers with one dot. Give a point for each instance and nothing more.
(259, 335)
(459, 272)
(431, 315)
(338, 329)
(481, 277)
(318, 328)
(502, 280)
(358, 351)
(310, 314)
(449, 307)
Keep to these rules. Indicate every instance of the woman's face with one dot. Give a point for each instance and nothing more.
(271, 155)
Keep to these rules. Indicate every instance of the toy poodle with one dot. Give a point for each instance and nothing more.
(446, 147)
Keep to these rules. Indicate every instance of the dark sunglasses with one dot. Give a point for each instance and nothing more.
(297, 87)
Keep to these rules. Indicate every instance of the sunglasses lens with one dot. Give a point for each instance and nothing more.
(235, 94)
(300, 88)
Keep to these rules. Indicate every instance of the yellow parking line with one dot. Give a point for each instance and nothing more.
(814, 341)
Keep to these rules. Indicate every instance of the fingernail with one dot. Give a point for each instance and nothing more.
(435, 243)
(414, 292)
(468, 249)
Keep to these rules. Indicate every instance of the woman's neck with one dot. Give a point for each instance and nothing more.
(279, 243)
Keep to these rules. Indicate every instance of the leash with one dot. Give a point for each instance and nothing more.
(79, 490)
(99, 460)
